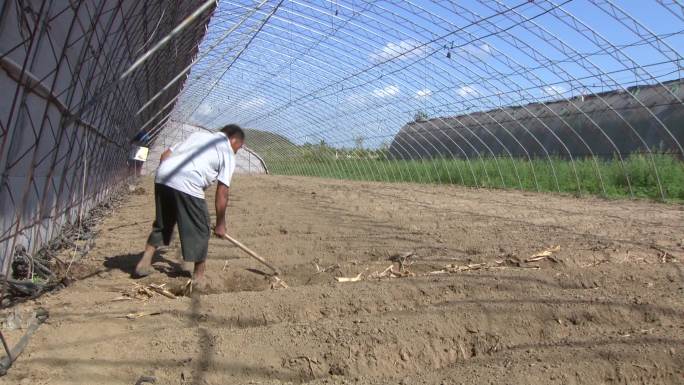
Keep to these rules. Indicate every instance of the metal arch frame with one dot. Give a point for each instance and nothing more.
(599, 97)
(600, 74)
(615, 49)
(315, 57)
(492, 153)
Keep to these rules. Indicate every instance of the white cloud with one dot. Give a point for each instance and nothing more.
(467, 91)
(479, 51)
(205, 109)
(255, 102)
(388, 91)
(361, 98)
(555, 90)
(424, 93)
(403, 50)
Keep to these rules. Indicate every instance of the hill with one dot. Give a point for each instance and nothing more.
(264, 141)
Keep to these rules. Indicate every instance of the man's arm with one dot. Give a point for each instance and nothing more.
(165, 155)
(221, 202)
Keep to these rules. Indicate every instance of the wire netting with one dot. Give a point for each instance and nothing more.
(74, 74)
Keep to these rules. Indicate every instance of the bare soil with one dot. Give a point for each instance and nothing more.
(608, 308)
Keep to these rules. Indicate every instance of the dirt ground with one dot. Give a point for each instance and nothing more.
(607, 308)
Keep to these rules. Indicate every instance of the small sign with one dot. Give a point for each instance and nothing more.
(139, 153)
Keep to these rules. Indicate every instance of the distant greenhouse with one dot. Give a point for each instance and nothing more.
(638, 119)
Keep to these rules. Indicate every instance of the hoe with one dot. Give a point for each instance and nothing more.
(275, 280)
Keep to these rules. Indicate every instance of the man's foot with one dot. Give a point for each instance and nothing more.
(185, 268)
(144, 266)
(200, 285)
(143, 271)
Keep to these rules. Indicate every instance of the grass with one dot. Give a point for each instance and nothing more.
(634, 177)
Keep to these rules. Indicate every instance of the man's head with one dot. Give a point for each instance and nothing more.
(235, 135)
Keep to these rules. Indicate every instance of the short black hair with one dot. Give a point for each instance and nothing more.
(232, 130)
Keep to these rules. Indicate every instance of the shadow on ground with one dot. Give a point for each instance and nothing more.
(127, 263)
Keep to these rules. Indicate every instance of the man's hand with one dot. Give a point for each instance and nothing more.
(221, 203)
(165, 155)
(220, 231)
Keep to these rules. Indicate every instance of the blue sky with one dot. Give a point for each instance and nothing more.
(339, 70)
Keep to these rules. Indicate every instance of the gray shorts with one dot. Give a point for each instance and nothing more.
(192, 216)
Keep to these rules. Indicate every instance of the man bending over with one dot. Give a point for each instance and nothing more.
(186, 170)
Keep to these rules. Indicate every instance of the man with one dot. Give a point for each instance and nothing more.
(138, 155)
(186, 170)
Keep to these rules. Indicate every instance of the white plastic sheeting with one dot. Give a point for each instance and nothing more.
(248, 162)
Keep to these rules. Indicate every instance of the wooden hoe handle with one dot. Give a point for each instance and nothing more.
(251, 253)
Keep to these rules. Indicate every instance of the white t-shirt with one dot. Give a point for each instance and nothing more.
(197, 162)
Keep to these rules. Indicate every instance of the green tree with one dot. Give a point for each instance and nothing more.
(420, 116)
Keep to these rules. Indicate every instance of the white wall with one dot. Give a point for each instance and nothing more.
(173, 132)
